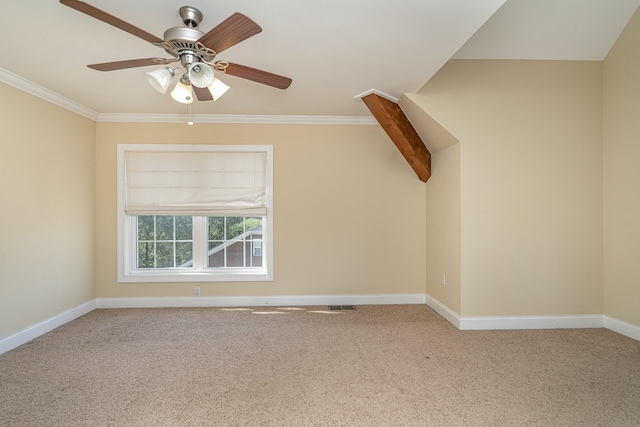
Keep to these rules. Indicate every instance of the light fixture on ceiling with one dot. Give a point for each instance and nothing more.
(183, 92)
(194, 49)
(160, 79)
(198, 74)
(217, 88)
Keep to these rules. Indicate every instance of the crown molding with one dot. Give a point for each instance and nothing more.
(240, 119)
(34, 89)
(44, 93)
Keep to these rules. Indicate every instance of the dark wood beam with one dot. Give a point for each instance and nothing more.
(404, 136)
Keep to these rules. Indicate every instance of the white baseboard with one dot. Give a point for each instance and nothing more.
(532, 322)
(34, 331)
(260, 301)
(444, 311)
(623, 328)
(515, 322)
(462, 323)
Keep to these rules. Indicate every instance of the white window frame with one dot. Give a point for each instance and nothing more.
(200, 273)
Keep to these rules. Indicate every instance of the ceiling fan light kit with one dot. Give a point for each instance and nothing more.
(200, 74)
(182, 92)
(217, 88)
(160, 79)
(193, 49)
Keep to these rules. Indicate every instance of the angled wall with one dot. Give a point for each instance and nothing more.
(443, 206)
(530, 183)
(622, 176)
(443, 228)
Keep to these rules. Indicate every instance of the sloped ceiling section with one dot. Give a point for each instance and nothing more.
(577, 30)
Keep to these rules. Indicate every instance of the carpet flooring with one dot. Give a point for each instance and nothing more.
(395, 365)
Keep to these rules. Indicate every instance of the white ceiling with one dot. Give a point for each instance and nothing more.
(333, 50)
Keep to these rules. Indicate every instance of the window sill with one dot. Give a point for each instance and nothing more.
(189, 276)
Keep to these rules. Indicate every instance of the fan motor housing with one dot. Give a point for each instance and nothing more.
(182, 34)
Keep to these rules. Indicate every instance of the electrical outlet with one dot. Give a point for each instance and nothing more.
(196, 292)
(443, 280)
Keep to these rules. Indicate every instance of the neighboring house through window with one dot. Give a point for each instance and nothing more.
(190, 213)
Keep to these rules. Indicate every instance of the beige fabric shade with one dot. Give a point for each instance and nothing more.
(195, 183)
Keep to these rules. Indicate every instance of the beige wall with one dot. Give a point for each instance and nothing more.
(443, 227)
(622, 176)
(48, 209)
(349, 211)
(531, 183)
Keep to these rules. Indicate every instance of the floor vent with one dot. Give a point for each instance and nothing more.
(342, 307)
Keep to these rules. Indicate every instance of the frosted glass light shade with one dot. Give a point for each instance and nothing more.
(182, 93)
(200, 74)
(217, 89)
(160, 79)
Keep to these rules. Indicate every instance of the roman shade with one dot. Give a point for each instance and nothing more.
(195, 183)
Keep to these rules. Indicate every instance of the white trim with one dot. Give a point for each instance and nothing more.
(260, 301)
(623, 328)
(374, 299)
(165, 302)
(377, 92)
(34, 331)
(44, 93)
(466, 323)
(482, 323)
(444, 311)
(238, 119)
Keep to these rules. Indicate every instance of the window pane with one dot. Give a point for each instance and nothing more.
(235, 254)
(164, 252)
(145, 228)
(234, 226)
(235, 242)
(216, 254)
(167, 245)
(184, 253)
(145, 255)
(164, 228)
(256, 261)
(253, 224)
(216, 228)
(184, 228)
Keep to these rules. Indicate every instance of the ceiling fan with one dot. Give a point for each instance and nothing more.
(193, 49)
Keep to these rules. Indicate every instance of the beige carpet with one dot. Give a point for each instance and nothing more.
(397, 365)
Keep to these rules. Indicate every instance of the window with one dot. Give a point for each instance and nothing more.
(164, 241)
(190, 213)
(231, 240)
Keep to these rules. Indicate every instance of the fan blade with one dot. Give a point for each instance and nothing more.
(259, 76)
(110, 19)
(202, 93)
(130, 63)
(233, 30)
